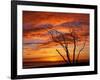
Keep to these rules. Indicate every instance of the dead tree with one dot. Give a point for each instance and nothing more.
(54, 34)
(64, 43)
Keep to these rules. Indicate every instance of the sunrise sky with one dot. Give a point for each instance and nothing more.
(38, 46)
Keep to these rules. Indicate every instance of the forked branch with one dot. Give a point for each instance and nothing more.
(64, 44)
(80, 51)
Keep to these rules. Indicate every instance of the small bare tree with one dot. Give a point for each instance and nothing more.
(60, 38)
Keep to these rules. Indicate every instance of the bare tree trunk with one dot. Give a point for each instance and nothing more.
(73, 35)
(67, 54)
(74, 50)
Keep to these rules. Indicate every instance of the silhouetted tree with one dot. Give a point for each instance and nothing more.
(60, 38)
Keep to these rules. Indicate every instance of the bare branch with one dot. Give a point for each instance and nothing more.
(74, 43)
(65, 47)
(62, 36)
(67, 53)
(58, 41)
(80, 51)
(64, 44)
(61, 55)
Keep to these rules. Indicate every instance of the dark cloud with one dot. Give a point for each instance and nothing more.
(38, 25)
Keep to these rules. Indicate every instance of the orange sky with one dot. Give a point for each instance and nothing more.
(37, 42)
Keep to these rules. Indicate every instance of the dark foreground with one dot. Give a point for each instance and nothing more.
(27, 65)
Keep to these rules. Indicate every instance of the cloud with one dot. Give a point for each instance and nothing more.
(30, 27)
(37, 25)
(38, 44)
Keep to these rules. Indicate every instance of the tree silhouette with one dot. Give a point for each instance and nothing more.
(60, 38)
